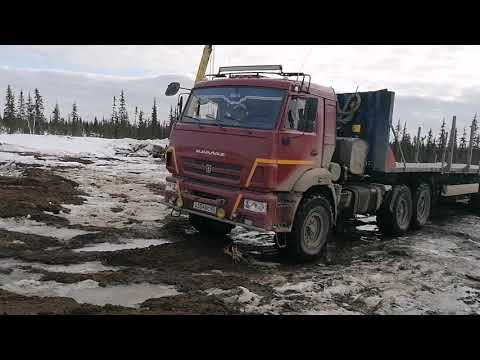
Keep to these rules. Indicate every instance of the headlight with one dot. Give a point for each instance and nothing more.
(255, 206)
(170, 186)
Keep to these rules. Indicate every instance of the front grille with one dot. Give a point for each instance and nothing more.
(213, 169)
(204, 195)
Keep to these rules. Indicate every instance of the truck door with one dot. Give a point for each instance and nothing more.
(299, 142)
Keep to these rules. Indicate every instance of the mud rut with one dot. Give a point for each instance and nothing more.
(433, 271)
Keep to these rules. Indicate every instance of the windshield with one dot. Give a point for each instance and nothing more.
(246, 107)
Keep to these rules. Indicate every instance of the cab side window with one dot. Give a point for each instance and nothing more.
(302, 114)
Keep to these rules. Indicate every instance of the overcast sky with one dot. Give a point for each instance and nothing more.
(430, 82)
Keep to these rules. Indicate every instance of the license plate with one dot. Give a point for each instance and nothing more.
(205, 207)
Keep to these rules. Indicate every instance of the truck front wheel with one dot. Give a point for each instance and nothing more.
(211, 227)
(395, 214)
(310, 229)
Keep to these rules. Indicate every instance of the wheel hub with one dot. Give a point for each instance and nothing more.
(422, 206)
(312, 231)
(402, 211)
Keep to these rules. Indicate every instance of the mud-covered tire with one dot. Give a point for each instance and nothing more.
(206, 226)
(422, 204)
(311, 226)
(395, 215)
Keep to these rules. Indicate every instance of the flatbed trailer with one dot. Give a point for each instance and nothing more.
(292, 157)
(435, 168)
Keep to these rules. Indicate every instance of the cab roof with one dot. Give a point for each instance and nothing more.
(287, 84)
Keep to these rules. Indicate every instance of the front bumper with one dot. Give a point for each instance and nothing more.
(183, 210)
(278, 217)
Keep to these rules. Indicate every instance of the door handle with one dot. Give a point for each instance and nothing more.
(314, 153)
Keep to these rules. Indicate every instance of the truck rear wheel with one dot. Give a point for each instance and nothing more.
(206, 226)
(422, 203)
(310, 229)
(395, 215)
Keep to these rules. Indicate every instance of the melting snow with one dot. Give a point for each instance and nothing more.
(77, 146)
(28, 283)
(367, 227)
(89, 267)
(89, 291)
(126, 244)
(27, 226)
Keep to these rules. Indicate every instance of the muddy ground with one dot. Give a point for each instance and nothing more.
(87, 236)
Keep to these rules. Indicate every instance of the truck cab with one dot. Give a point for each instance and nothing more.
(241, 145)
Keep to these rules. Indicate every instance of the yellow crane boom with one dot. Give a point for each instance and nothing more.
(202, 68)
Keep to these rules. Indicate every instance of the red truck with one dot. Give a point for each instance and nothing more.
(268, 150)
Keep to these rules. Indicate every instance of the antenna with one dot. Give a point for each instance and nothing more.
(305, 58)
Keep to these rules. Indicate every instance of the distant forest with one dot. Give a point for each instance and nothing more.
(25, 114)
(430, 148)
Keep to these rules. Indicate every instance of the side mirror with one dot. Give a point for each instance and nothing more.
(172, 89)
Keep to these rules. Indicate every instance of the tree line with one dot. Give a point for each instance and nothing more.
(430, 148)
(25, 114)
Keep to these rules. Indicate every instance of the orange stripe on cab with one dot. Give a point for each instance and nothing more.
(273, 161)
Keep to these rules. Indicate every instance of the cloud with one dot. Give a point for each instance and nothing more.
(429, 112)
(430, 82)
(93, 93)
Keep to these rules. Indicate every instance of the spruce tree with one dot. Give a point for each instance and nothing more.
(22, 114)
(75, 121)
(114, 118)
(141, 126)
(55, 122)
(39, 113)
(9, 111)
(95, 128)
(31, 115)
(430, 149)
(406, 144)
(154, 122)
(443, 138)
(123, 115)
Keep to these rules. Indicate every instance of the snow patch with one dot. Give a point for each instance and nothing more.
(26, 283)
(33, 227)
(254, 238)
(89, 267)
(77, 146)
(367, 227)
(125, 244)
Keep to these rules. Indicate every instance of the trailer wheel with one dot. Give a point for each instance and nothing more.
(395, 215)
(422, 202)
(211, 227)
(310, 229)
